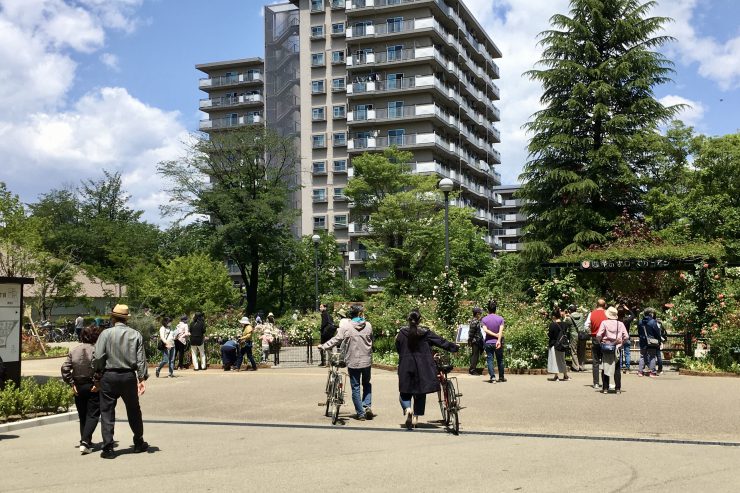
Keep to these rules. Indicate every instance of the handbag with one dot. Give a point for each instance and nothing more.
(653, 342)
(161, 346)
(609, 347)
(562, 343)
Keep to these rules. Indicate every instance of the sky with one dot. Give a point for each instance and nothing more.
(87, 85)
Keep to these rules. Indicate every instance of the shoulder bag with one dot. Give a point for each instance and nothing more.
(609, 347)
(562, 343)
(161, 346)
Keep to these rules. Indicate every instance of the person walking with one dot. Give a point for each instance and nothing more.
(119, 355)
(358, 333)
(326, 331)
(493, 327)
(277, 338)
(182, 334)
(579, 334)
(417, 371)
(197, 341)
(593, 321)
(166, 346)
(265, 340)
(648, 333)
(79, 325)
(557, 342)
(475, 340)
(626, 316)
(611, 335)
(246, 344)
(77, 371)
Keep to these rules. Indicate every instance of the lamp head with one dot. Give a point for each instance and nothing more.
(446, 185)
(316, 239)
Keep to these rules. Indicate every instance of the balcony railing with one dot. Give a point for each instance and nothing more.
(230, 122)
(230, 101)
(230, 80)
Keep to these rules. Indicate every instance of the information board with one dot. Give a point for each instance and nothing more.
(10, 322)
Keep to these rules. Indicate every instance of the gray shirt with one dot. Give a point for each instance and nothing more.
(359, 335)
(78, 366)
(120, 348)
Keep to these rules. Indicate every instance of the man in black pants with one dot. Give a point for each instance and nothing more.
(119, 355)
(475, 340)
(326, 332)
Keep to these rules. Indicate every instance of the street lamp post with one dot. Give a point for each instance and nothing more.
(316, 239)
(446, 185)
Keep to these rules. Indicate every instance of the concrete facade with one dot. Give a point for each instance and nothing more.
(509, 237)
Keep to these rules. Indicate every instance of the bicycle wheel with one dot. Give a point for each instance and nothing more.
(453, 421)
(329, 394)
(443, 406)
(337, 402)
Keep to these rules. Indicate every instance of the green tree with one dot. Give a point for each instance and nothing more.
(588, 145)
(188, 284)
(301, 277)
(19, 236)
(242, 180)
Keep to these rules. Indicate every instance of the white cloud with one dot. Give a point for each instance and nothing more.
(48, 141)
(514, 25)
(718, 61)
(111, 61)
(691, 115)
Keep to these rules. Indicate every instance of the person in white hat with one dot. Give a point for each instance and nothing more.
(612, 334)
(246, 344)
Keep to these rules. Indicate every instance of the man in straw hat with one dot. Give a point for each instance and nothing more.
(119, 355)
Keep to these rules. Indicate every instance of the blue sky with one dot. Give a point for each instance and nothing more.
(93, 84)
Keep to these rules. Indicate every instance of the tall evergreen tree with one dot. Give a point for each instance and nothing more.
(587, 151)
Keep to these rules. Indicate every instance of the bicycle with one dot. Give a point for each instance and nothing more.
(335, 385)
(448, 396)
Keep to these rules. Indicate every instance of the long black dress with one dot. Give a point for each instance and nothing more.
(417, 373)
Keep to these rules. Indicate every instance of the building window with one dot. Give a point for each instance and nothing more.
(337, 57)
(338, 84)
(337, 28)
(319, 167)
(319, 222)
(318, 114)
(317, 31)
(339, 193)
(319, 195)
(396, 137)
(361, 111)
(395, 109)
(319, 141)
(317, 86)
(362, 139)
(340, 165)
(317, 5)
(340, 139)
(340, 111)
(395, 52)
(360, 28)
(393, 81)
(317, 59)
(337, 4)
(395, 24)
(340, 221)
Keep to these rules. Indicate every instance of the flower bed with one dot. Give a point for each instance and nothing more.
(33, 400)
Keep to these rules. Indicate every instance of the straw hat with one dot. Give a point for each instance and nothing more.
(611, 313)
(244, 321)
(120, 311)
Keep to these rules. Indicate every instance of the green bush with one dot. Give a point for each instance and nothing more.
(33, 398)
(724, 346)
(525, 336)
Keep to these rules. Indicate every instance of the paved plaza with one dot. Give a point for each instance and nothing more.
(264, 430)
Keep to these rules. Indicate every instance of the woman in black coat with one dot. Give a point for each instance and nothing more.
(417, 372)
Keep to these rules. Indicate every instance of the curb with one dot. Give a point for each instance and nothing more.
(693, 373)
(45, 420)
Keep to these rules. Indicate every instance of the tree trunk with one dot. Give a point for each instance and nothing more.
(253, 280)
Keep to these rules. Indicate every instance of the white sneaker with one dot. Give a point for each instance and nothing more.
(84, 449)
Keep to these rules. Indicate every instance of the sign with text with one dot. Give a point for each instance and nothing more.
(10, 322)
(656, 264)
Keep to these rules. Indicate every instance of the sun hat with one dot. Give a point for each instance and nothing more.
(244, 321)
(271, 315)
(120, 311)
(611, 313)
(342, 312)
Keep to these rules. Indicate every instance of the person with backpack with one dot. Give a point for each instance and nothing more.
(197, 341)
(649, 336)
(166, 345)
(612, 334)
(475, 340)
(593, 322)
(579, 334)
(558, 341)
(326, 331)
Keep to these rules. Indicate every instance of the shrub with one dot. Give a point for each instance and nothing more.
(724, 346)
(31, 397)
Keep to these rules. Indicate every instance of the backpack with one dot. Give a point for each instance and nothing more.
(562, 343)
(584, 333)
(475, 337)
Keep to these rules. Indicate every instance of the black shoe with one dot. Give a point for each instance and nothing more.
(140, 447)
(369, 414)
(157, 372)
(107, 453)
(501, 380)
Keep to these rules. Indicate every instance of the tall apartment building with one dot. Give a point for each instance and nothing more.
(351, 76)
(235, 91)
(509, 237)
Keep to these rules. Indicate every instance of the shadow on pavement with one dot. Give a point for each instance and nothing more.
(8, 437)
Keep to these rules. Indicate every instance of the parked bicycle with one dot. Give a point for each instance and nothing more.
(448, 396)
(335, 385)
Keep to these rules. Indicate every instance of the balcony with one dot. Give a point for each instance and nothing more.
(337, 4)
(319, 199)
(339, 197)
(208, 104)
(514, 218)
(340, 225)
(210, 83)
(508, 233)
(359, 256)
(359, 229)
(513, 203)
(513, 247)
(230, 122)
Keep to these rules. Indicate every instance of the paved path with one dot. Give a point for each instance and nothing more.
(214, 430)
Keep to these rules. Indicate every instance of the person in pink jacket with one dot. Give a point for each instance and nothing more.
(612, 334)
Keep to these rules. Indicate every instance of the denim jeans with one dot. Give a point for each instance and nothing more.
(228, 356)
(357, 376)
(420, 402)
(168, 358)
(490, 351)
(246, 350)
(626, 360)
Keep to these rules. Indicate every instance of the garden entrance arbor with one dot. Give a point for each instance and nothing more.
(638, 265)
(11, 322)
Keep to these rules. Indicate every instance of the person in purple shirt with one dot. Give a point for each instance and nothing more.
(493, 326)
